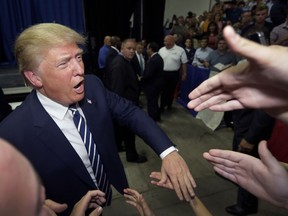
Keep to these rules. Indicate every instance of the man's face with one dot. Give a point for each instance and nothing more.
(260, 16)
(149, 50)
(139, 48)
(61, 74)
(222, 46)
(128, 50)
(246, 17)
(188, 43)
(169, 42)
(203, 43)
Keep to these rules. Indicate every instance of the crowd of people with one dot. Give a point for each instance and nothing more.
(59, 158)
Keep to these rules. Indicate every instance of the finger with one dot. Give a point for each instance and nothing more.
(131, 202)
(130, 197)
(190, 185)
(227, 106)
(186, 188)
(97, 211)
(205, 87)
(174, 181)
(220, 101)
(200, 103)
(163, 178)
(216, 156)
(244, 47)
(56, 207)
(178, 189)
(226, 154)
(47, 211)
(266, 157)
(92, 205)
(95, 193)
(155, 175)
(131, 192)
(99, 200)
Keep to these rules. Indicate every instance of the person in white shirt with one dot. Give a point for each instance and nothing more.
(175, 63)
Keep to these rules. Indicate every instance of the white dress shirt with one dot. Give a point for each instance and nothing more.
(63, 117)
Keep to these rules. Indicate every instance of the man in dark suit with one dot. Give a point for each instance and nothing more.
(152, 80)
(42, 127)
(122, 79)
(250, 127)
(138, 61)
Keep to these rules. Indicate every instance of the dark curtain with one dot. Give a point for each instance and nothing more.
(153, 16)
(16, 15)
(95, 18)
(109, 17)
(151, 22)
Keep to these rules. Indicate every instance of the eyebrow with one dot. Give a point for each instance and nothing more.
(67, 57)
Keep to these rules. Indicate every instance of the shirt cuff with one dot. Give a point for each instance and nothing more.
(168, 151)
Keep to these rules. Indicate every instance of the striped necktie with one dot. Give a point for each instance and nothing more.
(103, 183)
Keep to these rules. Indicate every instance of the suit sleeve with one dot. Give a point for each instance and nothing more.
(126, 113)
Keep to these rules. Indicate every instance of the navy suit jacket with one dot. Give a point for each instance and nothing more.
(31, 130)
(152, 79)
(122, 79)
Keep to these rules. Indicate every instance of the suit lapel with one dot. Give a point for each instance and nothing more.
(54, 140)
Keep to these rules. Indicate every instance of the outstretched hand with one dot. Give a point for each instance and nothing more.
(92, 199)
(175, 170)
(258, 82)
(264, 178)
(137, 200)
(198, 207)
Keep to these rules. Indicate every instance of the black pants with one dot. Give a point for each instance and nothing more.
(123, 135)
(170, 80)
(153, 109)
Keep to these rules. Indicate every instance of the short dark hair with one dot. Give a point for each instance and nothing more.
(153, 46)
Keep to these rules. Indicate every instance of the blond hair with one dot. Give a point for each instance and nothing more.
(32, 44)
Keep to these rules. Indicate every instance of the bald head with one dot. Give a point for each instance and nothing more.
(169, 41)
(20, 190)
(107, 40)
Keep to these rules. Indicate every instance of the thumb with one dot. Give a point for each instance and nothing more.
(266, 157)
(56, 207)
(163, 178)
(244, 47)
(97, 211)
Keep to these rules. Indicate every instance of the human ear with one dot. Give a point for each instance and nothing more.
(33, 78)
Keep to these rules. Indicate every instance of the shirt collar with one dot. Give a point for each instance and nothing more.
(115, 49)
(153, 54)
(53, 108)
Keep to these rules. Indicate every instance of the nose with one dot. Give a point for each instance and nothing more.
(77, 67)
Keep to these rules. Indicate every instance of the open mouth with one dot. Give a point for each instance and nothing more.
(79, 84)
